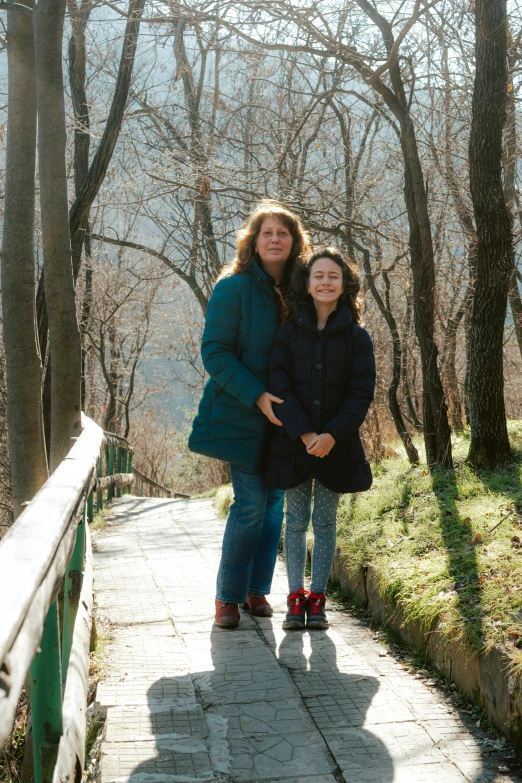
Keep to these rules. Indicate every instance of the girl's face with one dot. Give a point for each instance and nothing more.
(325, 283)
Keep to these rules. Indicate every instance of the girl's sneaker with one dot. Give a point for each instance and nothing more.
(297, 604)
(316, 611)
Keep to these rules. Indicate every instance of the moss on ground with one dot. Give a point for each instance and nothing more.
(432, 539)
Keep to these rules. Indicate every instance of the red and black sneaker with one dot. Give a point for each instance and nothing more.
(316, 612)
(297, 604)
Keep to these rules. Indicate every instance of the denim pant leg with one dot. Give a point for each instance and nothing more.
(243, 532)
(324, 519)
(298, 506)
(264, 560)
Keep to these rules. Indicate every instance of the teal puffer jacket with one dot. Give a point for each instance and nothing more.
(240, 330)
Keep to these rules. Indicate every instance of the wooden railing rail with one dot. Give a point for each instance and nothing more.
(44, 555)
(157, 488)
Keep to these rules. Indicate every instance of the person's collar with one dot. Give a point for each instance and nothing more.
(285, 282)
(338, 319)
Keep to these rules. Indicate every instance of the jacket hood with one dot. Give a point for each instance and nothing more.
(339, 319)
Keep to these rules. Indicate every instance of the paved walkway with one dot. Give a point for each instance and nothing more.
(188, 702)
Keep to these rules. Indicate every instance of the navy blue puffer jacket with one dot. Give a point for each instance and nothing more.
(327, 380)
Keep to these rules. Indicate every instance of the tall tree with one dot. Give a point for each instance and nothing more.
(65, 346)
(494, 260)
(23, 363)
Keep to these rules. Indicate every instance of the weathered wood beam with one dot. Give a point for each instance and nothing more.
(168, 492)
(116, 480)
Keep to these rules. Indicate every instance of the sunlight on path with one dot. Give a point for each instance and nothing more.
(187, 702)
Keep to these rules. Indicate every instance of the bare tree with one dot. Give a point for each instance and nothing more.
(65, 346)
(23, 364)
(494, 264)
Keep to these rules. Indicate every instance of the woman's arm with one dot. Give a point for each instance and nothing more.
(359, 395)
(219, 342)
(294, 417)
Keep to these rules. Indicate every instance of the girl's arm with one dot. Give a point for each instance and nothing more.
(219, 341)
(359, 396)
(294, 417)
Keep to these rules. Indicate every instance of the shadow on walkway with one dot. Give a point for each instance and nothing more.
(339, 703)
(248, 724)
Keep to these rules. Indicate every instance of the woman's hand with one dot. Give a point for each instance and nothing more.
(321, 445)
(265, 404)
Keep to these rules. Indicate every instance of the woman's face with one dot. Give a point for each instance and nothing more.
(274, 241)
(325, 283)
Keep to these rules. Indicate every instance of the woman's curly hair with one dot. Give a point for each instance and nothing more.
(351, 282)
(247, 236)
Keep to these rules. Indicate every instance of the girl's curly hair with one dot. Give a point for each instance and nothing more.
(351, 283)
(247, 236)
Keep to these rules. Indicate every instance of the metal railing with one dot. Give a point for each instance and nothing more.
(45, 556)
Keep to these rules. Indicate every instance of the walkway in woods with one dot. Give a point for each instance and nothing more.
(188, 702)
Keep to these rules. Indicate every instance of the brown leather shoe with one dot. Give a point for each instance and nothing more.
(227, 615)
(258, 606)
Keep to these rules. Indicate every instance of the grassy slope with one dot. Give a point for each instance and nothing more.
(427, 535)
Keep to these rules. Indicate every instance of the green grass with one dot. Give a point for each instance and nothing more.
(223, 499)
(428, 535)
(210, 493)
(99, 522)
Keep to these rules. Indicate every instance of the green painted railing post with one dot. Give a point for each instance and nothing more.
(124, 467)
(99, 495)
(110, 472)
(129, 470)
(141, 488)
(118, 468)
(46, 699)
(73, 588)
(90, 508)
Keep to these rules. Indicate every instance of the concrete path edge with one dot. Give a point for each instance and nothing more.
(486, 678)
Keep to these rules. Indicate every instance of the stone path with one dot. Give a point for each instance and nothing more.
(187, 702)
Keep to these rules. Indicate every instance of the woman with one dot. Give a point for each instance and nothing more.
(322, 366)
(245, 312)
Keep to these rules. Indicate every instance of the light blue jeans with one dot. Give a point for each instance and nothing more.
(251, 538)
(324, 519)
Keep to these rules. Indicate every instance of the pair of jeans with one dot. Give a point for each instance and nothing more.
(251, 537)
(324, 519)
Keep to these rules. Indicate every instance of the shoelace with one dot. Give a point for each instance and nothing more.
(316, 602)
(296, 600)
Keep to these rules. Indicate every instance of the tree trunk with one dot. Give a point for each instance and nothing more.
(387, 314)
(77, 58)
(450, 372)
(437, 433)
(510, 162)
(494, 263)
(65, 347)
(23, 363)
(412, 411)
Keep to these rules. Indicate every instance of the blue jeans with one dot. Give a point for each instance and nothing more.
(324, 519)
(251, 537)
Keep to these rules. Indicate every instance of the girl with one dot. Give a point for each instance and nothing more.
(322, 366)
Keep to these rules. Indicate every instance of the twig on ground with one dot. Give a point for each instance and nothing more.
(502, 520)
